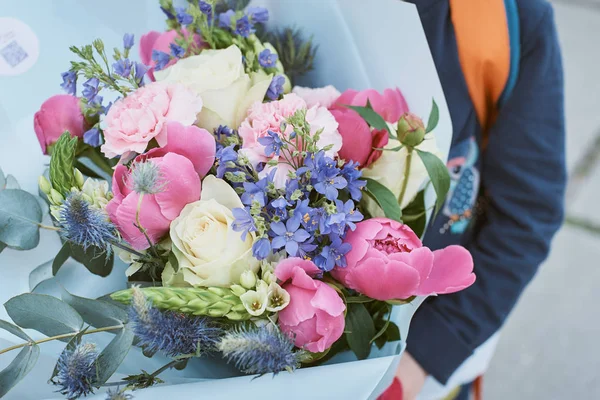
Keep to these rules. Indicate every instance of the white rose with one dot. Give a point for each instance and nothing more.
(219, 78)
(208, 250)
(389, 171)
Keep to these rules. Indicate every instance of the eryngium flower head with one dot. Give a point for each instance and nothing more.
(85, 225)
(169, 332)
(146, 178)
(117, 395)
(260, 351)
(76, 371)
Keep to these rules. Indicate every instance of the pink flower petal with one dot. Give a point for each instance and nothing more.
(286, 269)
(328, 300)
(182, 184)
(299, 309)
(146, 45)
(330, 328)
(356, 135)
(151, 219)
(384, 281)
(452, 271)
(420, 259)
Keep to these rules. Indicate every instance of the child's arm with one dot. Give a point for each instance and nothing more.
(524, 175)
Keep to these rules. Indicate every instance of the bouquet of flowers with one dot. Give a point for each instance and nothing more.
(270, 226)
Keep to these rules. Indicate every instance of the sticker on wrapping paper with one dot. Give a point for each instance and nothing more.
(19, 47)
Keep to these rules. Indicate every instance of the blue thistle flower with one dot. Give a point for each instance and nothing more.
(171, 333)
(146, 178)
(76, 371)
(117, 395)
(260, 351)
(85, 225)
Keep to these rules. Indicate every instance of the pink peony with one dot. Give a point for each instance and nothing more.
(359, 142)
(315, 315)
(58, 114)
(390, 105)
(323, 96)
(389, 262)
(265, 117)
(160, 41)
(169, 179)
(132, 122)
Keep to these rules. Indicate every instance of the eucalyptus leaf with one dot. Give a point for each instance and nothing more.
(359, 330)
(96, 260)
(20, 218)
(96, 313)
(434, 117)
(62, 176)
(384, 198)
(2, 180)
(372, 118)
(113, 355)
(40, 274)
(61, 258)
(15, 330)
(11, 183)
(45, 314)
(438, 173)
(18, 368)
(2, 246)
(414, 215)
(87, 171)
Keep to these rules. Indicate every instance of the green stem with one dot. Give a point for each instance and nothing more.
(406, 174)
(63, 336)
(99, 161)
(159, 371)
(48, 227)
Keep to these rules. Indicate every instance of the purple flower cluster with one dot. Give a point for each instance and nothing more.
(308, 218)
(242, 24)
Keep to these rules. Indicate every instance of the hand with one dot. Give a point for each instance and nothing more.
(411, 375)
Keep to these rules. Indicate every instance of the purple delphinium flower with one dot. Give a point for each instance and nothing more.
(279, 207)
(223, 131)
(76, 371)
(140, 71)
(255, 192)
(167, 13)
(243, 27)
(306, 249)
(161, 58)
(85, 225)
(172, 333)
(346, 216)
(128, 40)
(90, 89)
(225, 19)
(329, 183)
(272, 143)
(69, 83)
(261, 351)
(276, 87)
(92, 137)
(258, 14)
(243, 221)
(267, 59)
(288, 235)
(176, 50)
(183, 17)
(317, 220)
(352, 174)
(302, 211)
(205, 8)
(333, 255)
(225, 156)
(261, 248)
(123, 67)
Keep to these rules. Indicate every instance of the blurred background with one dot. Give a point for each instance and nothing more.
(548, 348)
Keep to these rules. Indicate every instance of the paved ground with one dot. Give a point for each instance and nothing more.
(549, 348)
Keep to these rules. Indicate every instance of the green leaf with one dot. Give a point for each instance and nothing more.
(2, 179)
(45, 314)
(434, 117)
(15, 330)
(18, 368)
(359, 330)
(40, 274)
(384, 327)
(384, 198)
(96, 313)
(392, 334)
(414, 215)
(358, 299)
(2, 246)
(61, 258)
(11, 183)
(438, 173)
(113, 355)
(174, 261)
(372, 118)
(20, 217)
(400, 302)
(87, 171)
(62, 177)
(96, 260)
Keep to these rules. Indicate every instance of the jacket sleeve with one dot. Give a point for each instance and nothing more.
(524, 177)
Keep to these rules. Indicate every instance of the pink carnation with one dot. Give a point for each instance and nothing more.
(132, 122)
(323, 96)
(389, 262)
(265, 117)
(315, 315)
(177, 171)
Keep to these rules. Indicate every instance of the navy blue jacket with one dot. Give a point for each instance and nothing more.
(522, 172)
